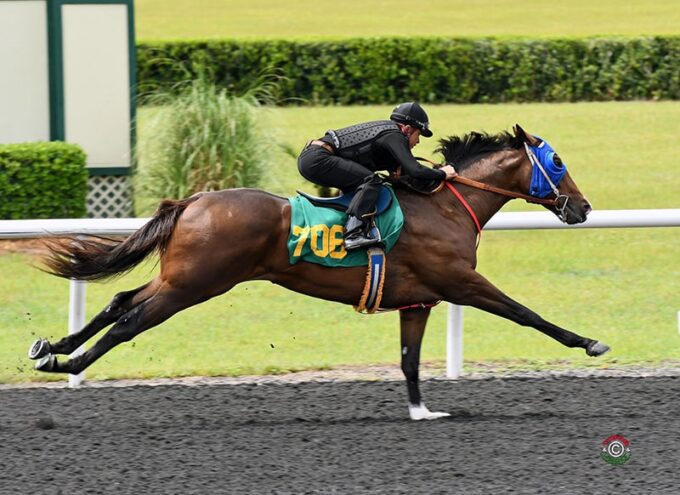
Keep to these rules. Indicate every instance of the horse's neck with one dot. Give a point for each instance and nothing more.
(485, 204)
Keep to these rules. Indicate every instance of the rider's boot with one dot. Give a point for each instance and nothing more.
(360, 233)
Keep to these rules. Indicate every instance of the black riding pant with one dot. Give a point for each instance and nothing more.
(320, 166)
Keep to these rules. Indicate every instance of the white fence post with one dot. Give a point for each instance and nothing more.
(76, 321)
(454, 342)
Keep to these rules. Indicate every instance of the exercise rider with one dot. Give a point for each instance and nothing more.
(348, 159)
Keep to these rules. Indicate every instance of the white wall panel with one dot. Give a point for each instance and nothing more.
(24, 80)
(96, 82)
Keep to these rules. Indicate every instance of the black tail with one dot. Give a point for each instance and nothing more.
(97, 258)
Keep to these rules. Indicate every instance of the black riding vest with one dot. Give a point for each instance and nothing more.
(354, 142)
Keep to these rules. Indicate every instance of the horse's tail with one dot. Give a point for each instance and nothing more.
(97, 258)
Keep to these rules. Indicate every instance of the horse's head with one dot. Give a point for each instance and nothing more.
(546, 177)
(519, 166)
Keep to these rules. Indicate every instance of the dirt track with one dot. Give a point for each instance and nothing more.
(521, 435)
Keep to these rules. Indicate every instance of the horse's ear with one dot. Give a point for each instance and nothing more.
(520, 133)
(524, 136)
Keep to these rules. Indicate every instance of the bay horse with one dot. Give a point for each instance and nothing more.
(212, 241)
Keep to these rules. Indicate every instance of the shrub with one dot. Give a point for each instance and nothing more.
(42, 180)
(388, 70)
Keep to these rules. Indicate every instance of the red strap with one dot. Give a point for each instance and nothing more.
(418, 305)
(479, 235)
(467, 207)
(410, 306)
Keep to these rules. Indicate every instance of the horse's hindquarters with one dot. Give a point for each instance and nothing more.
(225, 238)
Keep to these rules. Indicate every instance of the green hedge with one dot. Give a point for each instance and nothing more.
(42, 180)
(387, 70)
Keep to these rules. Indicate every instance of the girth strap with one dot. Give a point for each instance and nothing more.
(375, 278)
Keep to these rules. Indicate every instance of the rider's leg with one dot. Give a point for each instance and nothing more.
(359, 231)
(318, 165)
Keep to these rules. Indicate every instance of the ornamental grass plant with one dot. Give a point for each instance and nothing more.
(204, 138)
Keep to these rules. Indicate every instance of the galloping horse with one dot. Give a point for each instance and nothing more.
(212, 241)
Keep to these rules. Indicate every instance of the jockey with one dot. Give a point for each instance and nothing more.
(349, 158)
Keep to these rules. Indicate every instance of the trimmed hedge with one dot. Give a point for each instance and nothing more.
(387, 70)
(42, 180)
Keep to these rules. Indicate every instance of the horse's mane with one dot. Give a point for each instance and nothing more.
(464, 151)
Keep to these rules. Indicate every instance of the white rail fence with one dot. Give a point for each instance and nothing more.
(26, 229)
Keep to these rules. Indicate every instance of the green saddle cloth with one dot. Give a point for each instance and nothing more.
(316, 233)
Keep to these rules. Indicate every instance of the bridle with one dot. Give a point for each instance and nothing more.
(559, 202)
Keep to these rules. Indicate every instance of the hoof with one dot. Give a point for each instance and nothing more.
(47, 363)
(421, 412)
(596, 348)
(40, 348)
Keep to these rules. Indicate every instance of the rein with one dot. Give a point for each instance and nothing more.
(559, 202)
(498, 190)
(504, 192)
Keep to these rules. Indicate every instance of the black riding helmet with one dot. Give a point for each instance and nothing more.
(412, 113)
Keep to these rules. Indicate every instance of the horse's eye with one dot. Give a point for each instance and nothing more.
(557, 161)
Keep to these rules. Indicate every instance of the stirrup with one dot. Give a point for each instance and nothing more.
(361, 233)
(358, 240)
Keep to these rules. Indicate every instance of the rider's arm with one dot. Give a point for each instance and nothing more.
(396, 145)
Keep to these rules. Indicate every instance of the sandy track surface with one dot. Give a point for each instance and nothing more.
(520, 434)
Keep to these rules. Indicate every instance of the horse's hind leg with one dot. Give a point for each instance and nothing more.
(151, 312)
(119, 305)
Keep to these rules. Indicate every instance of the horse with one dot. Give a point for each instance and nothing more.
(211, 241)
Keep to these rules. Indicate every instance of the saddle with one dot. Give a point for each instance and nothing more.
(341, 202)
(316, 236)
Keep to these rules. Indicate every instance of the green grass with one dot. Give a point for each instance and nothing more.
(619, 286)
(268, 19)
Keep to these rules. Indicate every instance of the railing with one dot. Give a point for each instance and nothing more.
(546, 220)
(24, 229)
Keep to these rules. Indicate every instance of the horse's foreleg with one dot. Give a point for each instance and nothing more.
(413, 323)
(480, 293)
(119, 305)
(144, 316)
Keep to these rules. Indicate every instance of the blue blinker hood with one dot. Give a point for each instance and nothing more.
(540, 187)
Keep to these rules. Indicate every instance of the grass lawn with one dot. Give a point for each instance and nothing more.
(619, 286)
(307, 19)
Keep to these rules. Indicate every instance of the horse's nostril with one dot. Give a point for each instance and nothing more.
(587, 208)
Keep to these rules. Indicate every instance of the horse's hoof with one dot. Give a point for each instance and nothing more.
(418, 412)
(596, 348)
(47, 363)
(40, 348)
